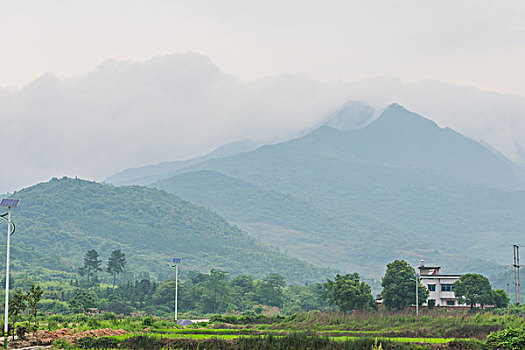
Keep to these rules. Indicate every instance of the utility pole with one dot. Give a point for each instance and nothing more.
(518, 263)
(6, 316)
(416, 278)
(516, 273)
(176, 262)
(9, 203)
(176, 292)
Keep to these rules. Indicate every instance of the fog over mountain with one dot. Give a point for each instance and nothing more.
(126, 114)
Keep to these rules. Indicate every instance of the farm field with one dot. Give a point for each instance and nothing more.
(437, 329)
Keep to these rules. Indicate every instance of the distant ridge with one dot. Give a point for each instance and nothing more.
(151, 173)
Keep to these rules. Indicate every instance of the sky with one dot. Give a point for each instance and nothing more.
(470, 42)
(88, 88)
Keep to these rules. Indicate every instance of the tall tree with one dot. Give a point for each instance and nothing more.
(348, 293)
(270, 290)
(399, 286)
(82, 301)
(215, 297)
(33, 297)
(501, 299)
(472, 289)
(17, 305)
(91, 265)
(116, 264)
(243, 292)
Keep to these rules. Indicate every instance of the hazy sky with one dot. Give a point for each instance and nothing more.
(467, 42)
(140, 82)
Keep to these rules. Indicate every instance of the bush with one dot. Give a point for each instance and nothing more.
(97, 343)
(108, 316)
(143, 342)
(62, 344)
(119, 307)
(81, 318)
(148, 321)
(509, 338)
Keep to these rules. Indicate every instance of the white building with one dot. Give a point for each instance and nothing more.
(441, 287)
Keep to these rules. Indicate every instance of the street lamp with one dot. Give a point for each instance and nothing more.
(9, 203)
(416, 278)
(176, 262)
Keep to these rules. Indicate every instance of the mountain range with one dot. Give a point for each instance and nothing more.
(355, 197)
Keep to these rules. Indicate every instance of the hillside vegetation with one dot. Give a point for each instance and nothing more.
(58, 221)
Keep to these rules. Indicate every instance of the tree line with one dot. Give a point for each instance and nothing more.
(219, 292)
(347, 292)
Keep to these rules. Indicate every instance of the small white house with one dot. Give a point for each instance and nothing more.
(441, 287)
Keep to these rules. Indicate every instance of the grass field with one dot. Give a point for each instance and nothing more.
(314, 330)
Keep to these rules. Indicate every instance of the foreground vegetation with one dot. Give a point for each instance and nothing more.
(435, 329)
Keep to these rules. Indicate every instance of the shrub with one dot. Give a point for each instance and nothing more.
(509, 338)
(62, 344)
(97, 343)
(148, 321)
(143, 342)
(119, 307)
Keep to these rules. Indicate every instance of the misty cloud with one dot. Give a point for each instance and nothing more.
(129, 113)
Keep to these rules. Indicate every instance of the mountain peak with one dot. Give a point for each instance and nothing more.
(397, 117)
(397, 106)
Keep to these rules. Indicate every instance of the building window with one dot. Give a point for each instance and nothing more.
(447, 287)
(451, 303)
(432, 287)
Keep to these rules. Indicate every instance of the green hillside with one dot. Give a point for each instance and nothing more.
(241, 201)
(58, 221)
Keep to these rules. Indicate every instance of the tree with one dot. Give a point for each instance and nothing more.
(116, 264)
(215, 295)
(82, 301)
(242, 292)
(119, 307)
(164, 296)
(501, 299)
(399, 286)
(91, 264)
(270, 290)
(33, 297)
(472, 289)
(17, 305)
(348, 293)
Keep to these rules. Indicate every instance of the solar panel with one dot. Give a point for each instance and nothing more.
(9, 202)
(176, 260)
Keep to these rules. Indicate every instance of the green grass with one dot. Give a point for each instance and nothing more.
(222, 334)
(403, 339)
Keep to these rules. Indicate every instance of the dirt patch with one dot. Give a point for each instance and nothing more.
(43, 337)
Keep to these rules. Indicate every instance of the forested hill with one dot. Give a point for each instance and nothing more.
(58, 221)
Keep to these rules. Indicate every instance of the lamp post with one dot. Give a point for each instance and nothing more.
(416, 278)
(9, 203)
(176, 261)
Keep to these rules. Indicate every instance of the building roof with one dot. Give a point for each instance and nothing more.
(438, 276)
(429, 267)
